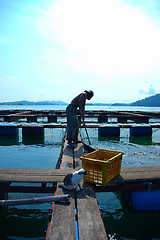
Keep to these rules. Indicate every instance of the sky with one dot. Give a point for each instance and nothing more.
(56, 49)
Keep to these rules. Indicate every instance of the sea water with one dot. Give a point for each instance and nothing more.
(30, 221)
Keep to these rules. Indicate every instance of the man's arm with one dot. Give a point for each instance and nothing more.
(82, 102)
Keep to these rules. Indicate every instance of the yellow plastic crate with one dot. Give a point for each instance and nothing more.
(102, 166)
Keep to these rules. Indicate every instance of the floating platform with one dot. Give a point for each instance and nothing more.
(63, 222)
(87, 222)
(130, 179)
(109, 130)
(101, 116)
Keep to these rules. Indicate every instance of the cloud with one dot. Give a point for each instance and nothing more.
(149, 91)
(103, 37)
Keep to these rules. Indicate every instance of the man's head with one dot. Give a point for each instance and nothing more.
(89, 94)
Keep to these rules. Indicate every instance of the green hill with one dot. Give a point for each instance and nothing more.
(153, 101)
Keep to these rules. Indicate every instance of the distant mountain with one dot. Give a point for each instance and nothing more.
(34, 103)
(153, 101)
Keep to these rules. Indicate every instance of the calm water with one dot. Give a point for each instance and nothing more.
(30, 221)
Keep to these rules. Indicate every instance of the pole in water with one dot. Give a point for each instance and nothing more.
(87, 135)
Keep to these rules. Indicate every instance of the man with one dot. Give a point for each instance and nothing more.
(72, 119)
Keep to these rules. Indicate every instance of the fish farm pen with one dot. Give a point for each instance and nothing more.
(100, 115)
(76, 215)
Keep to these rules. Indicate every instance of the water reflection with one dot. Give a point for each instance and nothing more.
(119, 221)
(8, 141)
(29, 140)
(141, 140)
(109, 138)
(22, 223)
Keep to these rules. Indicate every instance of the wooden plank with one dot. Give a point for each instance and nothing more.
(33, 175)
(27, 189)
(138, 186)
(34, 200)
(63, 219)
(31, 179)
(57, 175)
(136, 174)
(64, 126)
(38, 172)
(89, 217)
(67, 160)
(62, 225)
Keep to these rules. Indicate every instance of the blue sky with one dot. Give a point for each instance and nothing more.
(53, 50)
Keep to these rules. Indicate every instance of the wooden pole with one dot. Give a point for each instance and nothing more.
(87, 135)
(34, 200)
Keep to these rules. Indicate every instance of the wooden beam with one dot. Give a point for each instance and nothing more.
(144, 186)
(64, 198)
(127, 175)
(27, 189)
(33, 175)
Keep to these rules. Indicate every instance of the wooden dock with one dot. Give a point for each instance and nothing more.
(100, 115)
(63, 221)
(63, 217)
(130, 179)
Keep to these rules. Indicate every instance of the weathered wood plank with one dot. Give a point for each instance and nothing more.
(67, 160)
(57, 175)
(64, 126)
(34, 200)
(33, 175)
(30, 179)
(38, 172)
(63, 219)
(137, 174)
(62, 225)
(90, 221)
(26, 189)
